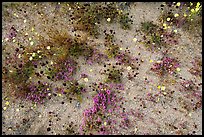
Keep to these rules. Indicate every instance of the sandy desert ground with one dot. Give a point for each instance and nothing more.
(102, 68)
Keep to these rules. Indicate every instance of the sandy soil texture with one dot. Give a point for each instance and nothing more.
(145, 97)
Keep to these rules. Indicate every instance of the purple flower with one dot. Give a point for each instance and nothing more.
(108, 92)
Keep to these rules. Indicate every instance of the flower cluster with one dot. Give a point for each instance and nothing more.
(197, 67)
(12, 34)
(38, 92)
(166, 66)
(124, 59)
(97, 116)
(191, 90)
(66, 71)
(96, 57)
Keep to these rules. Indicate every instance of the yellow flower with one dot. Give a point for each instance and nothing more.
(168, 19)
(86, 79)
(33, 54)
(31, 58)
(165, 26)
(7, 103)
(31, 43)
(159, 87)
(48, 47)
(129, 68)
(59, 95)
(176, 15)
(135, 39)
(175, 31)
(164, 93)
(178, 69)
(163, 87)
(198, 4)
(150, 60)
(178, 4)
(192, 10)
(105, 123)
(184, 14)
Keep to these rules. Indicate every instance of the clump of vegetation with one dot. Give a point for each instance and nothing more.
(38, 93)
(186, 15)
(191, 90)
(21, 75)
(112, 49)
(125, 59)
(197, 67)
(148, 27)
(96, 56)
(156, 37)
(114, 76)
(166, 66)
(75, 89)
(88, 15)
(125, 21)
(65, 70)
(96, 118)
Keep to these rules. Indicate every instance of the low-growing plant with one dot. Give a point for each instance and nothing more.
(95, 117)
(75, 89)
(38, 92)
(114, 76)
(88, 15)
(166, 66)
(148, 27)
(197, 67)
(21, 75)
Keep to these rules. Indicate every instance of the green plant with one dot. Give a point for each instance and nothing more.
(88, 15)
(112, 51)
(148, 27)
(21, 75)
(76, 89)
(124, 21)
(114, 76)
